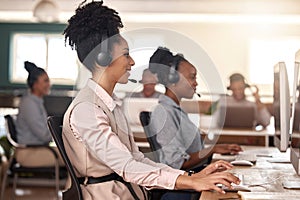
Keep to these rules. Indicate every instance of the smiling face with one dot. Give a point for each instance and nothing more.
(122, 61)
(187, 84)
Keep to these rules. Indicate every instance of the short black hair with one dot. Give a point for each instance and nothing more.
(86, 28)
(236, 77)
(34, 72)
(161, 61)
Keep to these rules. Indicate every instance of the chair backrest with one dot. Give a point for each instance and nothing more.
(55, 125)
(145, 118)
(11, 130)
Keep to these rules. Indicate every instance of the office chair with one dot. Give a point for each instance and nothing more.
(55, 126)
(154, 145)
(16, 169)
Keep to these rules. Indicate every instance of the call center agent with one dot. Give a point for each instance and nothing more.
(31, 123)
(96, 136)
(238, 86)
(182, 146)
(149, 82)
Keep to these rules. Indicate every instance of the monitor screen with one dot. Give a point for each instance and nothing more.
(281, 107)
(295, 122)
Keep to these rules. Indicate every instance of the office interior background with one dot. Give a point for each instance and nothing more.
(238, 36)
(243, 36)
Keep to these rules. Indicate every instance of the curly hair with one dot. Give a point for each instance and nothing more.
(86, 28)
(161, 62)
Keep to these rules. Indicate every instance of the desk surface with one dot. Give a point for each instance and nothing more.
(272, 175)
(240, 131)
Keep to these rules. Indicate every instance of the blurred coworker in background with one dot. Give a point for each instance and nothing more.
(238, 85)
(31, 123)
(149, 82)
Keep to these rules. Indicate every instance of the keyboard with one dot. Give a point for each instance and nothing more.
(249, 157)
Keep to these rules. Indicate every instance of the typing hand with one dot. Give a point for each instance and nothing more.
(214, 167)
(209, 182)
(232, 149)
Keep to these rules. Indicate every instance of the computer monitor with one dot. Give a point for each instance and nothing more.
(281, 106)
(233, 117)
(132, 107)
(295, 120)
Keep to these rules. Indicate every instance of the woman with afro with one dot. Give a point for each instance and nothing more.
(96, 135)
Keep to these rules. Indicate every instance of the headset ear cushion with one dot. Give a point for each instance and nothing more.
(103, 59)
(173, 77)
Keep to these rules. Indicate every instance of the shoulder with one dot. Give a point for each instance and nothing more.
(27, 102)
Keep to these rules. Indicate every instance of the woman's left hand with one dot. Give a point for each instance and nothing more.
(218, 166)
(232, 149)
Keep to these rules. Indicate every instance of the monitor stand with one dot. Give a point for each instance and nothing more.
(295, 159)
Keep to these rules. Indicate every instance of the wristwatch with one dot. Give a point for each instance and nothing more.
(190, 172)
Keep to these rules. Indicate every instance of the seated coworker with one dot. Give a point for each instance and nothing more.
(31, 123)
(149, 82)
(238, 86)
(96, 135)
(182, 146)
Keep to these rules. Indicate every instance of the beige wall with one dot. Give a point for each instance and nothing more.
(227, 44)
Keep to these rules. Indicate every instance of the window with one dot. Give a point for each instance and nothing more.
(47, 51)
(265, 53)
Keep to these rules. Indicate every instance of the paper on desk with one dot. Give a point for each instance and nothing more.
(267, 196)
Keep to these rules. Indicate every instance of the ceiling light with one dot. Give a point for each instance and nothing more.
(46, 11)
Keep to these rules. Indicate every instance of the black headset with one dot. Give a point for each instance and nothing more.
(104, 57)
(173, 76)
(242, 78)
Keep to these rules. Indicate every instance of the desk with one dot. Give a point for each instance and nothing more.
(213, 135)
(274, 174)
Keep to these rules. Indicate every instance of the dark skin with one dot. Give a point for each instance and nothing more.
(186, 88)
(118, 72)
(149, 89)
(41, 86)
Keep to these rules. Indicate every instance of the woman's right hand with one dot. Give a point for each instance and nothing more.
(208, 182)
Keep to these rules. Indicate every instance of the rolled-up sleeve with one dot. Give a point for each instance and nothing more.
(91, 126)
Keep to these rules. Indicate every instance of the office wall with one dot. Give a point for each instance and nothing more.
(227, 44)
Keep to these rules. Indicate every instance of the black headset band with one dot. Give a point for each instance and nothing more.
(104, 43)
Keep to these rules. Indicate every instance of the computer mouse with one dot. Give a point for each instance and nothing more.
(241, 163)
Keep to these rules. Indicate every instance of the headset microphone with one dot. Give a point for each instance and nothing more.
(199, 95)
(132, 80)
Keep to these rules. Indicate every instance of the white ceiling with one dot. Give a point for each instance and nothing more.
(21, 10)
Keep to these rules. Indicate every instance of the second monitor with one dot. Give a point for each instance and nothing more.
(281, 106)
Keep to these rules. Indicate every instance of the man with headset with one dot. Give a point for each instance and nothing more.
(238, 85)
(149, 82)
